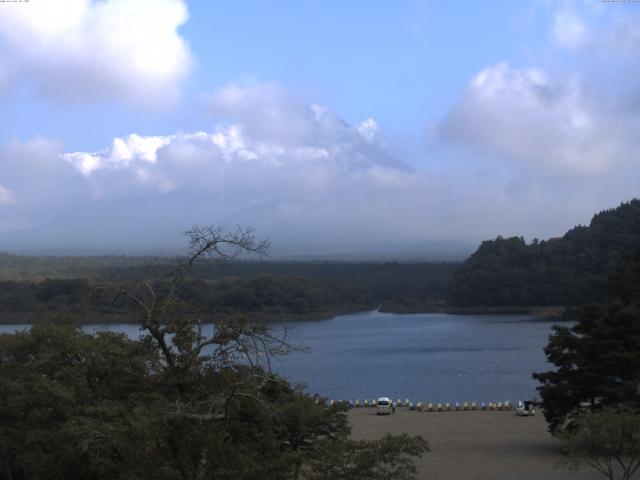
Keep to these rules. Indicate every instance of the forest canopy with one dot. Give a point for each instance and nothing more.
(266, 289)
(571, 270)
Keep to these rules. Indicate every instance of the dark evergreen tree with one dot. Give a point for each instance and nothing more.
(597, 359)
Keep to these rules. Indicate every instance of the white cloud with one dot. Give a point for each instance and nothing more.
(6, 196)
(330, 183)
(527, 116)
(36, 185)
(610, 30)
(83, 50)
(568, 30)
(265, 128)
(330, 186)
(120, 155)
(230, 152)
(368, 129)
(604, 39)
(270, 113)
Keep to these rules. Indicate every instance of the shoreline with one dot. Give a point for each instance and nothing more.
(547, 312)
(31, 318)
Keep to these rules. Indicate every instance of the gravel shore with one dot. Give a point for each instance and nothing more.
(475, 445)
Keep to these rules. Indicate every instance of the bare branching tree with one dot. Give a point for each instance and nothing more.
(177, 331)
(607, 441)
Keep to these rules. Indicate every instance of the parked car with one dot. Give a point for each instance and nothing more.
(384, 406)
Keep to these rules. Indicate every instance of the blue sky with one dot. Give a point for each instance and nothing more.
(513, 117)
(403, 63)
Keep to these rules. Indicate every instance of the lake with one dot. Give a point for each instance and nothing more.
(423, 357)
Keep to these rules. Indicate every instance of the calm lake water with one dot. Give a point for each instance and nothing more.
(425, 357)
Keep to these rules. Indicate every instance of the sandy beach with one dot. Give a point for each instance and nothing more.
(474, 445)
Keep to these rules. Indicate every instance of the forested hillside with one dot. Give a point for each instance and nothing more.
(33, 289)
(571, 270)
(506, 272)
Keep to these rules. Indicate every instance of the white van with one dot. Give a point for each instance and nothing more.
(384, 406)
(526, 409)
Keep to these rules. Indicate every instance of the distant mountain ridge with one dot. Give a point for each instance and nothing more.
(571, 270)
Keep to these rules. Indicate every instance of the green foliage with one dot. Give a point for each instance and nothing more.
(70, 404)
(625, 279)
(26, 268)
(174, 405)
(266, 289)
(75, 406)
(271, 294)
(598, 358)
(608, 441)
(572, 270)
(391, 457)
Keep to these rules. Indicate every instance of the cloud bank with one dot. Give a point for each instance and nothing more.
(305, 178)
(528, 116)
(74, 51)
(289, 168)
(528, 150)
(545, 121)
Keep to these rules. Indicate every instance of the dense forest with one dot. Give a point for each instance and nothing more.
(504, 273)
(572, 270)
(36, 288)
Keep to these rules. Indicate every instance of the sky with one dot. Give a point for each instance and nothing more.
(328, 126)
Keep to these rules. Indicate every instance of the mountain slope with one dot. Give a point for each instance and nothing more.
(571, 270)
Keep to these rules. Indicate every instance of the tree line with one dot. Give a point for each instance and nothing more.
(570, 271)
(263, 288)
